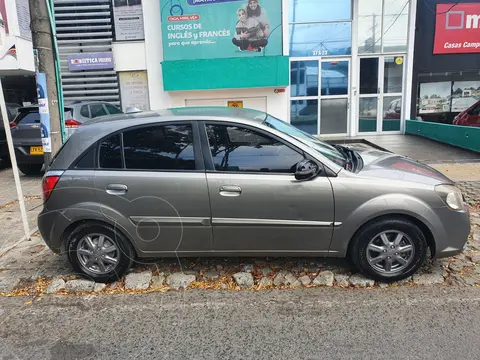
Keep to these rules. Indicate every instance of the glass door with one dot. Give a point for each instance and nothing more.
(334, 96)
(392, 93)
(380, 94)
(319, 95)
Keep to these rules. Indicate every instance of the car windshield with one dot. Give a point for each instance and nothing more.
(325, 149)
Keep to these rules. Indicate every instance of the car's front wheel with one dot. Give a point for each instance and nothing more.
(99, 252)
(389, 249)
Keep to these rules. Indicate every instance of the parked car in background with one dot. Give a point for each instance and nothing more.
(26, 131)
(12, 110)
(394, 110)
(469, 117)
(239, 182)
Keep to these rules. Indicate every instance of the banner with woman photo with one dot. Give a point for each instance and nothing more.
(209, 29)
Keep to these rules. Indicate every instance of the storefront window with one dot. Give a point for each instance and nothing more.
(393, 74)
(451, 98)
(335, 78)
(319, 10)
(369, 75)
(369, 26)
(320, 27)
(334, 113)
(395, 25)
(304, 115)
(392, 112)
(367, 114)
(304, 78)
(382, 26)
(321, 39)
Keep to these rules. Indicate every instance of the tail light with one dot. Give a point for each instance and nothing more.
(71, 123)
(48, 184)
(13, 124)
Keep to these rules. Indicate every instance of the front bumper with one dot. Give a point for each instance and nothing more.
(456, 228)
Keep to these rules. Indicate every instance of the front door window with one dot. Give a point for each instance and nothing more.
(240, 149)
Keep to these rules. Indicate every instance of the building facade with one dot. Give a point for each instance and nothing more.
(17, 65)
(330, 67)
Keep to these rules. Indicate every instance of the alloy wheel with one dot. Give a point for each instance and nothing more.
(98, 254)
(390, 252)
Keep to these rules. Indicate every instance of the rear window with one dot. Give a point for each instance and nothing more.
(32, 117)
(28, 118)
(68, 113)
(87, 161)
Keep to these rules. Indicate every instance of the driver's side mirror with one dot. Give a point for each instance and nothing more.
(306, 170)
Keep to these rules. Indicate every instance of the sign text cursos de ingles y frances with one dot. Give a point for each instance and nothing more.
(208, 29)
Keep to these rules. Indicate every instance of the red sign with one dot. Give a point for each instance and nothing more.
(457, 29)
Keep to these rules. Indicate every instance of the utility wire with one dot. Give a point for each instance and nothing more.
(393, 23)
(440, 13)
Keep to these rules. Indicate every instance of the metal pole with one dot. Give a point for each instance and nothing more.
(13, 160)
(43, 43)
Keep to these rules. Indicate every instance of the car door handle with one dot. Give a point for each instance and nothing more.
(230, 190)
(117, 189)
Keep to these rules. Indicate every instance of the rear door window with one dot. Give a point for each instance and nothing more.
(110, 153)
(166, 147)
(476, 110)
(97, 110)
(84, 111)
(113, 109)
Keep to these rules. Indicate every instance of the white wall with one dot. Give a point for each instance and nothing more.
(24, 64)
(129, 55)
(276, 102)
(159, 99)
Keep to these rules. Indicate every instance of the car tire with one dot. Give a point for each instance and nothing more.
(32, 169)
(77, 249)
(376, 249)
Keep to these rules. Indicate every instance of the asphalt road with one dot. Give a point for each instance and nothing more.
(433, 322)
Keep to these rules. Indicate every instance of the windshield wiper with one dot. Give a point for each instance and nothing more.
(346, 154)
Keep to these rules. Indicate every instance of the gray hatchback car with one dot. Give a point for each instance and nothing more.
(224, 182)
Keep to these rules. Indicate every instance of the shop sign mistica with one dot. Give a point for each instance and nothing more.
(457, 28)
(209, 29)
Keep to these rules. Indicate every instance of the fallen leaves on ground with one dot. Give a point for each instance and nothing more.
(14, 202)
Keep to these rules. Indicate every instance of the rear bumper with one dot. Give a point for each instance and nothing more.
(51, 225)
(24, 157)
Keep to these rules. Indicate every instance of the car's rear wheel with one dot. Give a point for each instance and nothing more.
(32, 169)
(389, 249)
(99, 252)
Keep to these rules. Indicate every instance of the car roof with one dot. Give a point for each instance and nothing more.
(94, 130)
(182, 113)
